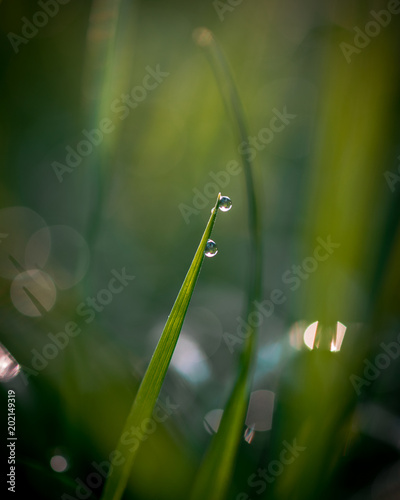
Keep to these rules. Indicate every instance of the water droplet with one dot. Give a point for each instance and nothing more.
(225, 204)
(211, 249)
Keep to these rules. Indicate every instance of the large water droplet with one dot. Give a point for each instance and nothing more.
(211, 249)
(225, 204)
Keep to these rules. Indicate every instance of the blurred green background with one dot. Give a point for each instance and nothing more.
(137, 199)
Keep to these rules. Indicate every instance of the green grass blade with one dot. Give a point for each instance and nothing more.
(214, 476)
(151, 384)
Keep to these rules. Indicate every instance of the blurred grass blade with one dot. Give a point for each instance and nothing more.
(150, 387)
(105, 75)
(216, 470)
(214, 476)
(99, 69)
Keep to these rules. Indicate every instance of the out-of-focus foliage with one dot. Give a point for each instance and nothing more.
(323, 120)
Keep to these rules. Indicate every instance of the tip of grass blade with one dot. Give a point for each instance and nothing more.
(150, 387)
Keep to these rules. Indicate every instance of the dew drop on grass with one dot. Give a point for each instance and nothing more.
(225, 204)
(211, 249)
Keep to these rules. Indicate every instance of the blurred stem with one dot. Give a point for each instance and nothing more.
(97, 81)
(229, 93)
(216, 469)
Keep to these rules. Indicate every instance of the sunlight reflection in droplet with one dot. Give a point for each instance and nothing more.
(211, 249)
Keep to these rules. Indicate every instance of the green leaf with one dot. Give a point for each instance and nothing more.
(216, 470)
(151, 384)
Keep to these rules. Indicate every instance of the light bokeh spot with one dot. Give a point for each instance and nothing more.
(59, 463)
(33, 292)
(9, 368)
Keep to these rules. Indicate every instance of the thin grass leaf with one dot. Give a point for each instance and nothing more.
(151, 384)
(214, 476)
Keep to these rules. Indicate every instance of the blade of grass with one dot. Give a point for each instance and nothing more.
(151, 384)
(213, 478)
(99, 73)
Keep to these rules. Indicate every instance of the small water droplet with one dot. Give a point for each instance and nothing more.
(211, 249)
(225, 204)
